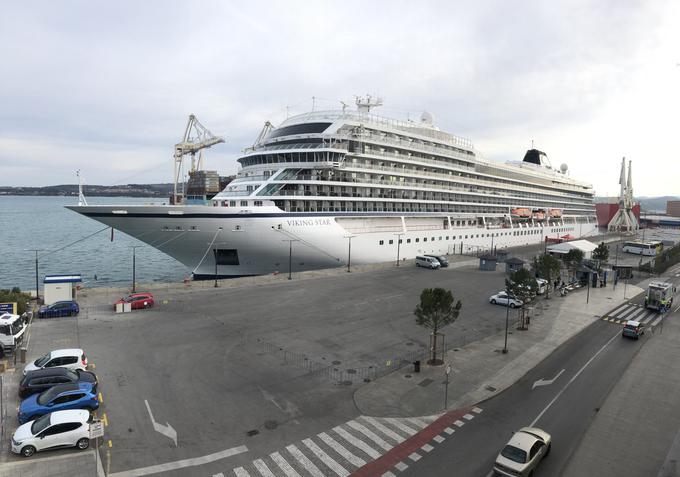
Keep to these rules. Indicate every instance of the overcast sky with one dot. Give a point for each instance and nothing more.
(106, 87)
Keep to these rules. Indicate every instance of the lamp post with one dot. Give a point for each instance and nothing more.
(134, 267)
(398, 245)
(349, 251)
(215, 254)
(37, 285)
(446, 388)
(507, 317)
(290, 257)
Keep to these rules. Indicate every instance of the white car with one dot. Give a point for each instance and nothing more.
(72, 359)
(502, 298)
(52, 431)
(522, 454)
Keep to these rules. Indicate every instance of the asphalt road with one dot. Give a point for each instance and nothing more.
(593, 361)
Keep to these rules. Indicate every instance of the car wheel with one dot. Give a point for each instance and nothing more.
(512, 305)
(83, 443)
(28, 451)
(493, 302)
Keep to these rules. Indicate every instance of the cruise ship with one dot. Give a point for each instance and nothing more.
(329, 188)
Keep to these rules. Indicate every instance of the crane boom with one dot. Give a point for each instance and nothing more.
(196, 138)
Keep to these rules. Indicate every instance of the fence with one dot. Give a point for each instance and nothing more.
(663, 261)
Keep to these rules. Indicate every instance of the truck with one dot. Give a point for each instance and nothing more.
(12, 328)
(659, 296)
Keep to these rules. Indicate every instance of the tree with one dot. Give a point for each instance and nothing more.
(522, 285)
(601, 254)
(573, 259)
(436, 310)
(548, 267)
(15, 295)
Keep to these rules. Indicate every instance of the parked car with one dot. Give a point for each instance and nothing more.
(59, 308)
(427, 262)
(43, 379)
(58, 398)
(522, 454)
(502, 298)
(73, 359)
(52, 431)
(137, 300)
(442, 260)
(542, 286)
(633, 329)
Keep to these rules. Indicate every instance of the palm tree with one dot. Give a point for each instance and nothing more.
(436, 310)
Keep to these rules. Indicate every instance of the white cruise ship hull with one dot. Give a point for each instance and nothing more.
(271, 241)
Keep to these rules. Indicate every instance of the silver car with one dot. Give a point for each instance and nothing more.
(502, 298)
(522, 454)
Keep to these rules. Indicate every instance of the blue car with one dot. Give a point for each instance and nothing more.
(60, 308)
(58, 398)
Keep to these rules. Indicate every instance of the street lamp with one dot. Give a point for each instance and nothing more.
(349, 251)
(37, 286)
(398, 245)
(446, 389)
(507, 317)
(290, 257)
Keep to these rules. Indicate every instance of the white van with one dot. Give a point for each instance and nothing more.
(542, 286)
(427, 262)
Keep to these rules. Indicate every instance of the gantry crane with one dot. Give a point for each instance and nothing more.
(196, 138)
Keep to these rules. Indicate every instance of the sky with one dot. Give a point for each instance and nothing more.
(107, 87)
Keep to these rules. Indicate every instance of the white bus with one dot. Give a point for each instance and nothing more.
(643, 248)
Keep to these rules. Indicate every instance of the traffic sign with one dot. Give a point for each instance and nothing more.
(96, 429)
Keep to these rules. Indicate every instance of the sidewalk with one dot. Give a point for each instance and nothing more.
(480, 370)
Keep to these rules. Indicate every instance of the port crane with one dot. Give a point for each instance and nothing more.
(196, 138)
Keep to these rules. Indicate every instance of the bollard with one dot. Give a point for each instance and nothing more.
(416, 366)
(22, 353)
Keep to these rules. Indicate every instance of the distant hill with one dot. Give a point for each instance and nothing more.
(127, 190)
(648, 204)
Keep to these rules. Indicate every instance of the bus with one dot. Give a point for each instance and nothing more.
(643, 248)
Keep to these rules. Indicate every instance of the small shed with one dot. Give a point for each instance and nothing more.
(563, 248)
(502, 255)
(513, 264)
(60, 287)
(488, 263)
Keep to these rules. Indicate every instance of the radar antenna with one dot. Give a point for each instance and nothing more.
(81, 196)
(196, 138)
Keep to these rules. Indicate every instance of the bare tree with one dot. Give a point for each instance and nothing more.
(437, 308)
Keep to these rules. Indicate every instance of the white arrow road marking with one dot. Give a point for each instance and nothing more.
(166, 430)
(545, 382)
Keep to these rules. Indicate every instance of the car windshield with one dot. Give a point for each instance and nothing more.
(631, 327)
(48, 395)
(40, 424)
(42, 361)
(514, 454)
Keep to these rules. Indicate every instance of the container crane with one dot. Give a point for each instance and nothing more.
(196, 138)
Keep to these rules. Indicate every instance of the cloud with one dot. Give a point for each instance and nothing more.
(108, 87)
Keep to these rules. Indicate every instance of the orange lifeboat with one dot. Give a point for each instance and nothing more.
(521, 212)
(538, 214)
(555, 213)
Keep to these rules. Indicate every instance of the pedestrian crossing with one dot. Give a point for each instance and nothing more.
(345, 448)
(631, 311)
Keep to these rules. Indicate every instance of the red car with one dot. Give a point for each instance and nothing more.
(137, 300)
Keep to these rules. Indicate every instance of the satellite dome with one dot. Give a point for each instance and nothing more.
(564, 168)
(427, 118)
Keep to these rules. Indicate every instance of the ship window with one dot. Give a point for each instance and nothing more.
(257, 203)
(466, 236)
(232, 203)
(227, 256)
(391, 242)
(433, 239)
(417, 240)
(447, 237)
(382, 242)
(425, 239)
(299, 129)
(401, 241)
(408, 240)
(244, 203)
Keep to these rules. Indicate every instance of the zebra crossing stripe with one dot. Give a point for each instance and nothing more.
(349, 457)
(469, 417)
(438, 439)
(358, 443)
(418, 422)
(304, 461)
(637, 315)
(627, 313)
(401, 426)
(241, 472)
(655, 322)
(370, 434)
(385, 430)
(476, 410)
(388, 474)
(218, 475)
(283, 465)
(262, 468)
(401, 466)
(428, 447)
(415, 457)
(459, 423)
(325, 458)
(449, 431)
(616, 310)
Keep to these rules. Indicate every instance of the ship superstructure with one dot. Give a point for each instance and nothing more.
(393, 189)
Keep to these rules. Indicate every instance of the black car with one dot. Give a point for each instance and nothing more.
(42, 379)
(441, 259)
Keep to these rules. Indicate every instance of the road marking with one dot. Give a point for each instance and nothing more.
(284, 465)
(438, 439)
(370, 434)
(401, 466)
(388, 474)
(110, 444)
(476, 410)
(655, 322)
(105, 420)
(401, 426)
(546, 382)
(449, 431)
(304, 461)
(262, 468)
(428, 447)
(459, 423)
(181, 464)
(414, 457)
(578, 373)
(167, 430)
(241, 472)
(616, 310)
(358, 443)
(101, 399)
(218, 475)
(325, 458)
(385, 430)
(417, 422)
(469, 417)
(349, 457)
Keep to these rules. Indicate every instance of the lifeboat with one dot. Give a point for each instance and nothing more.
(555, 213)
(538, 214)
(521, 212)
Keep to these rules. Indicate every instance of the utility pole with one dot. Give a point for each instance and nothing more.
(134, 267)
(290, 257)
(215, 253)
(507, 317)
(398, 245)
(349, 251)
(37, 284)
